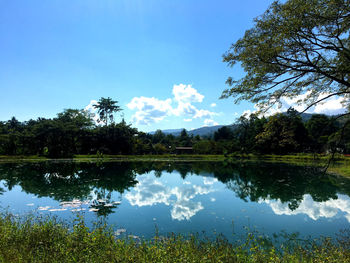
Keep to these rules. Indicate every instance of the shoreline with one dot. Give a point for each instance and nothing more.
(340, 165)
(194, 157)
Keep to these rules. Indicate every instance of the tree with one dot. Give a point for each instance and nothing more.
(246, 131)
(184, 139)
(283, 133)
(158, 136)
(79, 119)
(159, 148)
(223, 133)
(320, 127)
(298, 47)
(106, 107)
(204, 147)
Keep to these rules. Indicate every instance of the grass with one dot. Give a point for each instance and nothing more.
(106, 157)
(209, 157)
(342, 169)
(47, 240)
(21, 157)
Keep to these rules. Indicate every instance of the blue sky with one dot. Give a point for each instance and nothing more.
(161, 59)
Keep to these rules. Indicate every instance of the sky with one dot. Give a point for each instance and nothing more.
(160, 59)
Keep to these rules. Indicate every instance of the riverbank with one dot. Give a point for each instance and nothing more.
(339, 164)
(106, 157)
(47, 240)
(297, 157)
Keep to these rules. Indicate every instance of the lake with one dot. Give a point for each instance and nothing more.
(142, 198)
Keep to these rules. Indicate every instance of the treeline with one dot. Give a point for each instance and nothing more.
(74, 132)
(285, 133)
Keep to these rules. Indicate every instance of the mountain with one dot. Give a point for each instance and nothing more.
(203, 131)
(174, 132)
(304, 116)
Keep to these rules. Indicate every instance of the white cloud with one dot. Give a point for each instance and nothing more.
(149, 110)
(92, 111)
(185, 93)
(210, 122)
(185, 109)
(188, 120)
(90, 107)
(204, 114)
(270, 112)
(312, 209)
(213, 105)
(247, 113)
(332, 106)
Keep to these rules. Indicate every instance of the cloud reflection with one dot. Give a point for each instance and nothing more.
(150, 191)
(313, 209)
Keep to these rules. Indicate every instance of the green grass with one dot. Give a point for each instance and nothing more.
(219, 157)
(47, 240)
(343, 169)
(154, 157)
(106, 157)
(21, 157)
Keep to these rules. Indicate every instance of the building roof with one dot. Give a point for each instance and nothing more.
(183, 148)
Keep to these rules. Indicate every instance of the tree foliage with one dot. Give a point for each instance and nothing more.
(297, 47)
(106, 107)
(74, 132)
(283, 133)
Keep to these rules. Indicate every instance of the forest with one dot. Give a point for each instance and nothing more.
(74, 132)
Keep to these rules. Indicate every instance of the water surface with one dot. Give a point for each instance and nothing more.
(141, 198)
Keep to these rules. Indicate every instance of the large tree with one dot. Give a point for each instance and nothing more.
(283, 134)
(106, 107)
(297, 47)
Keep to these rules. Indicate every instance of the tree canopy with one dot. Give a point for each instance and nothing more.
(74, 132)
(297, 47)
(105, 108)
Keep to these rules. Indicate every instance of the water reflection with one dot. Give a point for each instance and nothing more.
(150, 191)
(313, 209)
(287, 189)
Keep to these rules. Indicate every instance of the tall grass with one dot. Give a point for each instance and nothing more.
(36, 239)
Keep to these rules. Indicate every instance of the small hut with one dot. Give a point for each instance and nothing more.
(183, 150)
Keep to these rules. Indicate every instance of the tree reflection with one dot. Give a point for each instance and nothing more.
(103, 204)
(66, 181)
(96, 182)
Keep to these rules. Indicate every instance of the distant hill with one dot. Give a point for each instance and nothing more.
(203, 131)
(304, 116)
(174, 132)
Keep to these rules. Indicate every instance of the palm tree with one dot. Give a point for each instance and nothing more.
(105, 108)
